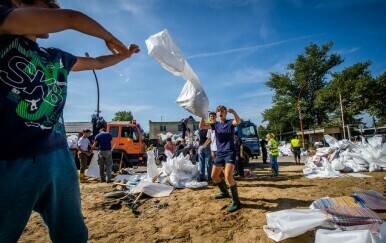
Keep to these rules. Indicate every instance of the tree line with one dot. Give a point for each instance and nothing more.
(310, 83)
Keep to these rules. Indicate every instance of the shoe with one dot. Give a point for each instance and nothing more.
(82, 178)
(235, 205)
(109, 181)
(224, 191)
(102, 181)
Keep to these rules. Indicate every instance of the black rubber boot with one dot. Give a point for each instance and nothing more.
(224, 191)
(235, 199)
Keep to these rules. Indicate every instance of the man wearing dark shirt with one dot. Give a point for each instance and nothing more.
(105, 157)
(204, 156)
(36, 165)
(239, 155)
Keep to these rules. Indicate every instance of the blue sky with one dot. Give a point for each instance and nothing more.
(231, 45)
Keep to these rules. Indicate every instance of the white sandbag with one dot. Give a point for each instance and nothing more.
(196, 184)
(162, 47)
(336, 164)
(93, 168)
(72, 141)
(331, 141)
(153, 189)
(350, 236)
(152, 170)
(192, 97)
(292, 222)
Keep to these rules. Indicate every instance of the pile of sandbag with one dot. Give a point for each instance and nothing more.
(72, 141)
(179, 171)
(346, 156)
(356, 218)
(285, 150)
(176, 137)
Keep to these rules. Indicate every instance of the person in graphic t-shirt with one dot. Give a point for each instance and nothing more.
(226, 154)
(36, 164)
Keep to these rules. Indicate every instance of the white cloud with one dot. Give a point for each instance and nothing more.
(257, 93)
(347, 51)
(252, 48)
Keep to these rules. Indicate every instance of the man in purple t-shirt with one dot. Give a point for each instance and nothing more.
(226, 154)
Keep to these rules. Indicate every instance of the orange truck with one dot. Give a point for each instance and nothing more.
(127, 145)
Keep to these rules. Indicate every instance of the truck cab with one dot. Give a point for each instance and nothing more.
(127, 144)
(248, 133)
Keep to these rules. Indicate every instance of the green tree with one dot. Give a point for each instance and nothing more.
(303, 78)
(261, 131)
(350, 84)
(375, 94)
(123, 116)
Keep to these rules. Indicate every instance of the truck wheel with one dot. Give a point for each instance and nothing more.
(245, 158)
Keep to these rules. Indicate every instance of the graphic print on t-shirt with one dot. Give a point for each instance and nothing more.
(34, 86)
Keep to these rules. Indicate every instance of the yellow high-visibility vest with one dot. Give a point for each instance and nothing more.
(295, 143)
(272, 145)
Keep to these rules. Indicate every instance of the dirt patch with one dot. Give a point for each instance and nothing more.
(194, 216)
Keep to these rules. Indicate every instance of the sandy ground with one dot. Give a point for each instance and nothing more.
(194, 216)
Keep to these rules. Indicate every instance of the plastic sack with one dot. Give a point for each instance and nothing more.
(336, 164)
(192, 97)
(161, 46)
(152, 170)
(331, 141)
(292, 222)
(72, 142)
(196, 184)
(355, 236)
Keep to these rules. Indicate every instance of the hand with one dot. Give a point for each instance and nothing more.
(115, 46)
(200, 149)
(230, 110)
(241, 156)
(133, 48)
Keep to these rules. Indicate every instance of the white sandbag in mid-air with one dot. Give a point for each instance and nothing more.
(192, 97)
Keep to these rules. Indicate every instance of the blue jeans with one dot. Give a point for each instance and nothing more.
(48, 184)
(274, 165)
(205, 161)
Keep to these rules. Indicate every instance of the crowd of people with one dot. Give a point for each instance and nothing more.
(32, 98)
(55, 194)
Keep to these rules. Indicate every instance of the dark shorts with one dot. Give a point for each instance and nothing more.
(296, 151)
(225, 157)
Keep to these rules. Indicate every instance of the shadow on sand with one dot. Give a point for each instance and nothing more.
(281, 203)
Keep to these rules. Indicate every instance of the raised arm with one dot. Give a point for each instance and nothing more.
(88, 63)
(204, 125)
(237, 119)
(40, 21)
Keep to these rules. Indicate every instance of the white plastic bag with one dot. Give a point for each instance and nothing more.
(152, 170)
(355, 236)
(331, 141)
(161, 46)
(192, 97)
(292, 222)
